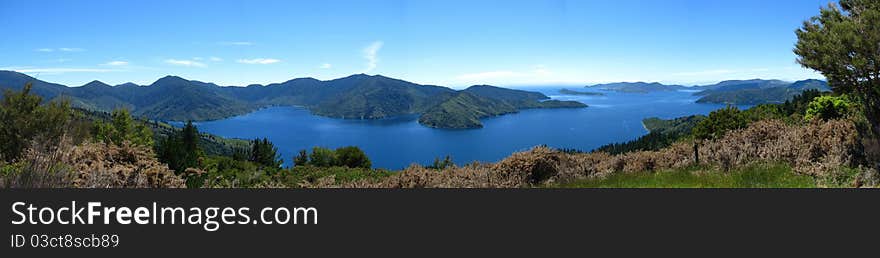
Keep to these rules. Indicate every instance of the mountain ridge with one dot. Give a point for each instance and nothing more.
(358, 96)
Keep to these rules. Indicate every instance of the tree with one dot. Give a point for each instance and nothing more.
(718, 123)
(798, 103)
(123, 128)
(180, 150)
(264, 153)
(301, 159)
(715, 126)
(842, 43)
(322, 157)
(23, 120)
(353, 157)
(827, 107)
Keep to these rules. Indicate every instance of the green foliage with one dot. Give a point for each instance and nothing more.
(828, 107)
(753, 176)
(841, 43)
(719, 122)
(23, 121)
(441, 164)
(349, 156)
(180, 150)
(763, 112)
(322, 157)
(264, 153)
(663, 133)
(123, 128)
(798, 104)
(311, 174)
(228, 172)
(352, 157)
(301, 159)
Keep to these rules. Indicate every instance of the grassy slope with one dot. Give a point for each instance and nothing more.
(753, 176)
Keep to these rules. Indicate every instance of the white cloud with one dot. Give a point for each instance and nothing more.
(198, 58)
(259, 61)
(325, 66)
(116, 63)
(215, 59)
(371, 54)
(63, 49)
(189, 63)
(68, 49)
(236, 43)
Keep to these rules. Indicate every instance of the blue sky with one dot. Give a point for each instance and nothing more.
(450, 42)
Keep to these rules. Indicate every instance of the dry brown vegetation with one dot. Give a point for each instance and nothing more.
(818, 149)
(90, 165)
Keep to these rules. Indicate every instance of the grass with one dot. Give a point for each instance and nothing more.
(752, 176)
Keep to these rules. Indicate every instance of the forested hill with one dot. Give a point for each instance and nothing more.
(354, 97)
(753, 92)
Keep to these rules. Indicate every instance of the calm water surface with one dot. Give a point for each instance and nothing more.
(397, 142)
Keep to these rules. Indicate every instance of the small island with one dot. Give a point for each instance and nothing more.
(580, 93)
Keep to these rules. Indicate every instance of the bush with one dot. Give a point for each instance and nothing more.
(322, 157)
(264, 153)
(23, 120)
(123, 128)
(718, 123)
(827, 108)
(352, 157)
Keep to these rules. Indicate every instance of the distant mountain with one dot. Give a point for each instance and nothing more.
(810, 84)
(581, 93)
(637, 87)
(753, 92)
(736, 85)
(354, 97)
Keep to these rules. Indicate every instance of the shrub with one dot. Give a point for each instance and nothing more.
(718, 123)
(123, 128)
(352, 157)
(322, 157)
(827, 108)
(23, 119)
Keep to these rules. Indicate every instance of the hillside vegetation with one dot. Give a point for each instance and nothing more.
(172, 98)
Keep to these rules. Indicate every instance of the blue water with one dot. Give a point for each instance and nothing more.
(398, 142)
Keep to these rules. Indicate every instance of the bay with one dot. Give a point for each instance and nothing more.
(395, 143)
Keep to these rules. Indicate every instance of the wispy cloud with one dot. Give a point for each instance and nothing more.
(62, 49)
(371, 54)
(215, 59)
(259, 61)
(236, 43)
(115, 63)
(189, 63)
(325, 66)
(69, 49)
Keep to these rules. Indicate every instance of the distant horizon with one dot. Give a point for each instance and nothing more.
(454, 43)
(586, 84)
